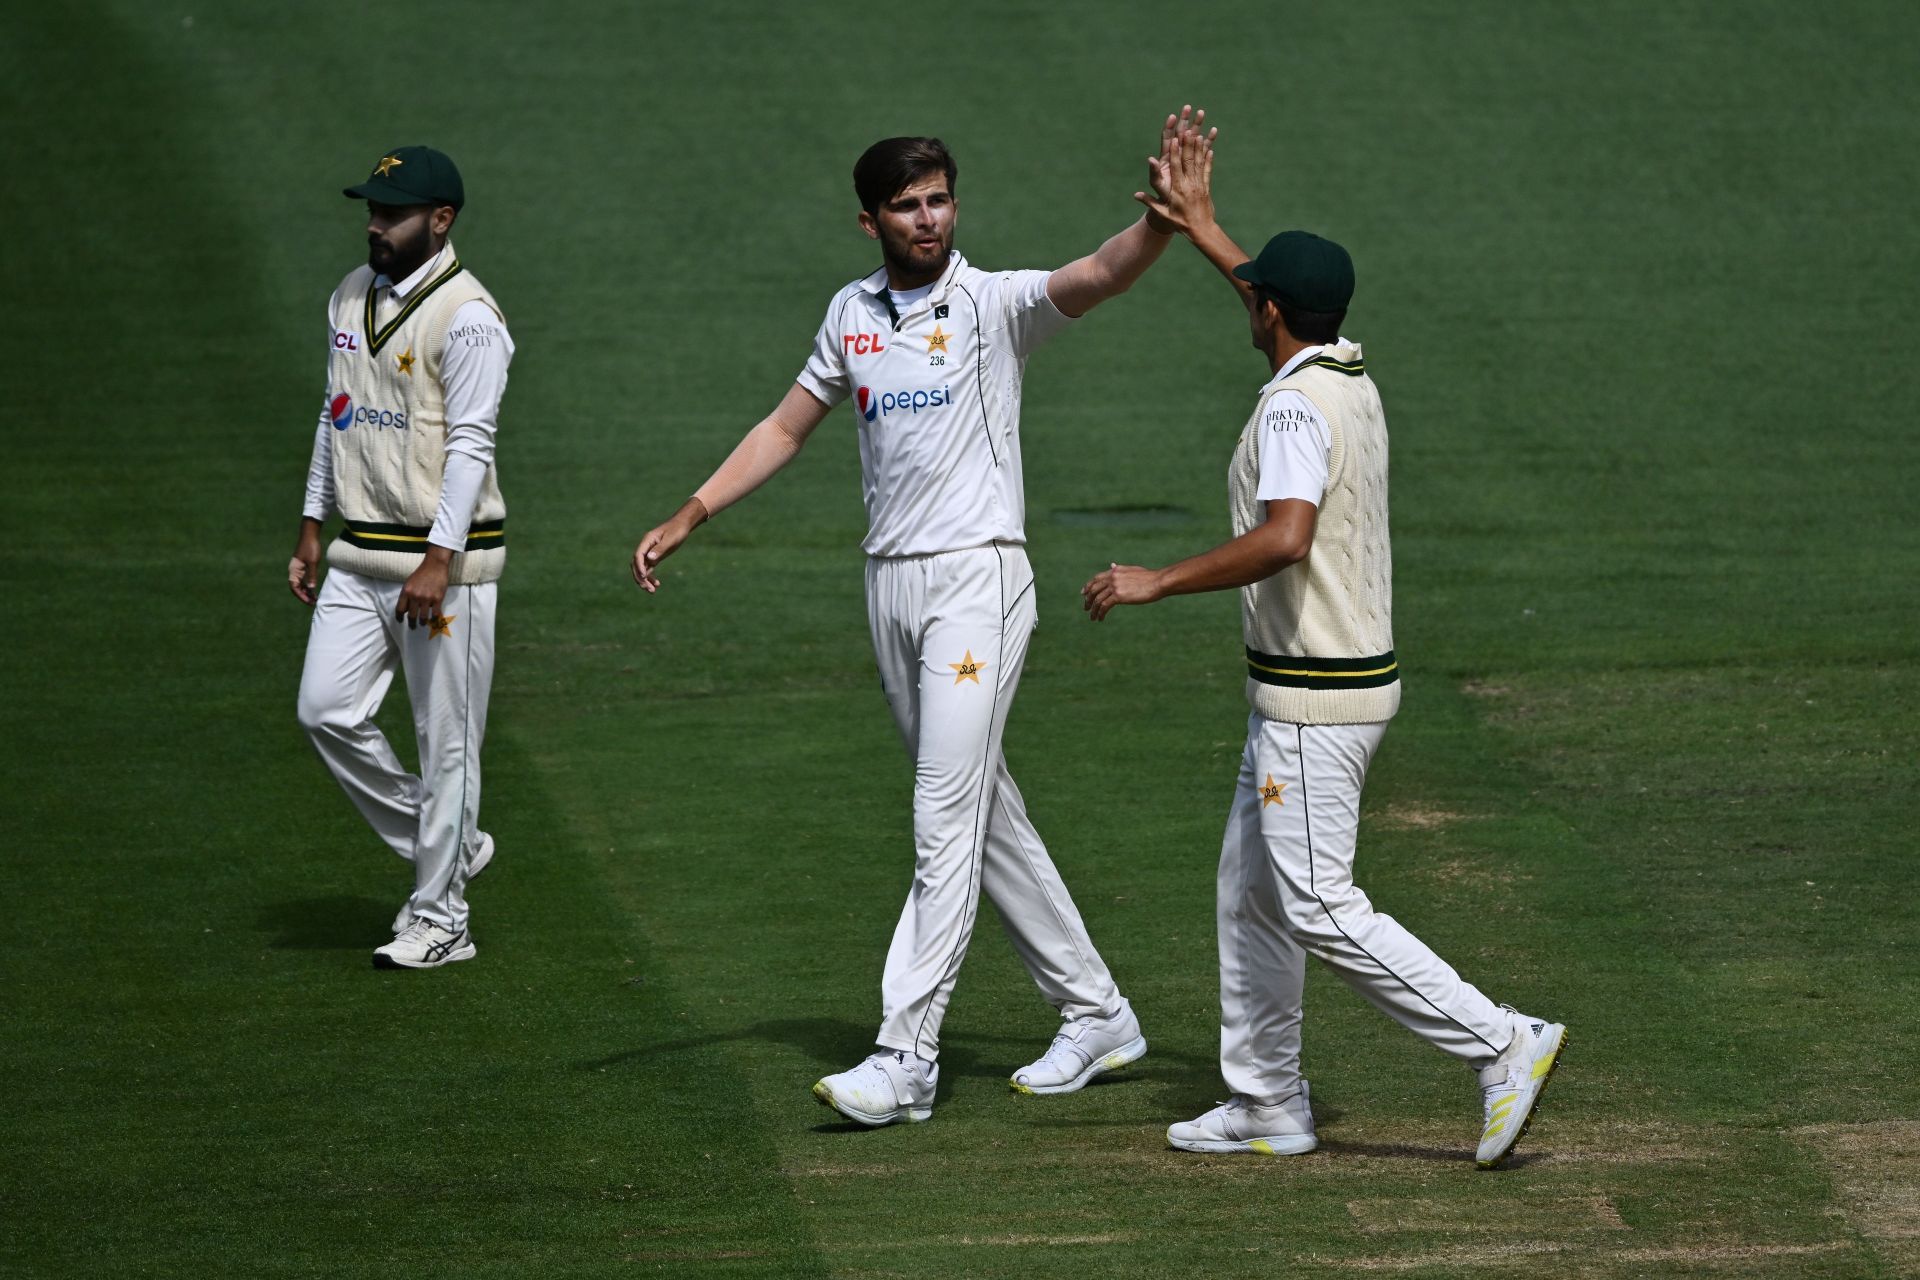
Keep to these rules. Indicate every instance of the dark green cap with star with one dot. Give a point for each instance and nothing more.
(1303, 271)
(412, 175)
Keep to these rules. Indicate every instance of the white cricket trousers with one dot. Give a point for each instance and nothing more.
(1286, 891)
(352, 651)
(950, 634)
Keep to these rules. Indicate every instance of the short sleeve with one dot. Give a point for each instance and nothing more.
(825, 374)
(1025, 313)
(1294, 449)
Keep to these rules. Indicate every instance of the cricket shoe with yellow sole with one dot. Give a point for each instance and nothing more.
(1085, 1048)
(1511, 1087)
(889, 1086)
(1242, 1126)
(480, 861)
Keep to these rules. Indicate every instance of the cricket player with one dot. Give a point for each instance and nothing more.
(931, 351)
(417, 355)
(1310, 557)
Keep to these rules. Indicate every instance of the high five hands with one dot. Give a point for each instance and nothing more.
(1181, 176)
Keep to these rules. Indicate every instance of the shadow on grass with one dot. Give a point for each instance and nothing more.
(831, 1040)
(337, 922)
(834, 1044)
(846, 1126)
(825, 1039)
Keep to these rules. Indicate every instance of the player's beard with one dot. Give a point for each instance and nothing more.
(396, 260)
(910, 261)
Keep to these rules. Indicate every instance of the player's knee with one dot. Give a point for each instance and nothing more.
(316, 715)
(1309, 920)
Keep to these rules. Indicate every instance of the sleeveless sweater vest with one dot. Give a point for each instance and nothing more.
(390, 430)
(1319, 634)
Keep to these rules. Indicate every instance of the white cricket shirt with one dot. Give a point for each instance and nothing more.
(1294, 441)
(936, 395)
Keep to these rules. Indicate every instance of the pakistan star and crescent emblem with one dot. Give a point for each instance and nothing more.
(406, 362)
(967, 669)
(387, 165)
(1270, 793)
(937, 341)
(443, 625)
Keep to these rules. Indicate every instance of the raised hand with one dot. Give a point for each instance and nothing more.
(1158, 177)
(1181, 177)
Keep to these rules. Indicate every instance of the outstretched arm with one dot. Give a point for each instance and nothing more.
(1110, 270)
(772, 443)
(1284, 538)
(1182, 197)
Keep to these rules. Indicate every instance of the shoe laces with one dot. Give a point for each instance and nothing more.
(1065, 1049)
(419, 927)
(1223, 1115)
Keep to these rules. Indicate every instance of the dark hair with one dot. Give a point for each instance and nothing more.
(1319, 327)
(893, 164)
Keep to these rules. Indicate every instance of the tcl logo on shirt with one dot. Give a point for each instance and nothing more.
(863, 344)
(346, 340)
(875, 403)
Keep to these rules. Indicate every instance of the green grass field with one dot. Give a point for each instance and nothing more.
(1636, 283)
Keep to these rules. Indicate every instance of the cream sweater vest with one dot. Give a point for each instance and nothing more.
(390, 437)
(1319, 634)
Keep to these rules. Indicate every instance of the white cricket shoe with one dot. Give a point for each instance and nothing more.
(424, 945)
(888, 1086)
(480, 861)
(1510, 1088)
(1242, 1126)
(1085, 1048)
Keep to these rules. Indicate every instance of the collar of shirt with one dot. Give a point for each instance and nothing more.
(908, 299)
(876, 284)
(1299, 358)
(425, 273)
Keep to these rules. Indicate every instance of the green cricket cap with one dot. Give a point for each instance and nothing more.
(1302, 270)
(412, 175)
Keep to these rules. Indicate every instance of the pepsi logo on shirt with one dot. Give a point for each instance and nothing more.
(874, 404)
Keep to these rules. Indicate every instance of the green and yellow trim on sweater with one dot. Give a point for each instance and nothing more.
(377, 339)
(1352, 368)
(483, 535)
(1290, 671)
